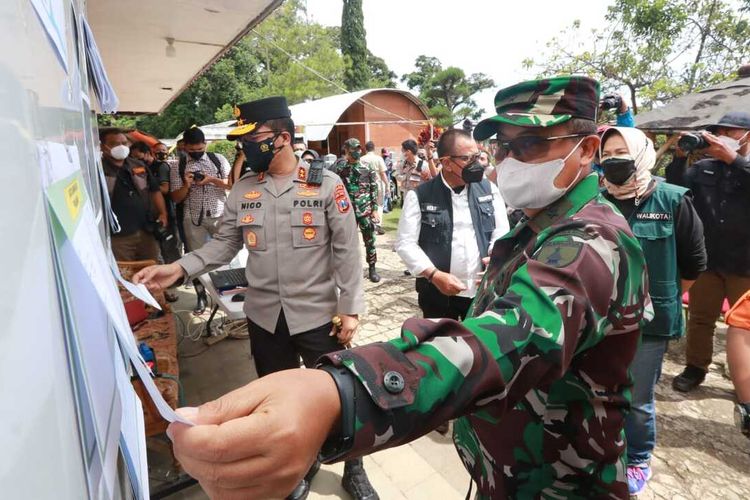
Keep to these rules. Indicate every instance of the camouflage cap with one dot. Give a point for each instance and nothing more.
(542, 103)
(352, 143)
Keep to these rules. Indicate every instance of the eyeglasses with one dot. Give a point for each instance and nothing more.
(529, 147)
(466, 159)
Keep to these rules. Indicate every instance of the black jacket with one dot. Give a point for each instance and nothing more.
(721, 194)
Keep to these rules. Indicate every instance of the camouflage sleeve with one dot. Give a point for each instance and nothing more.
(437, 370)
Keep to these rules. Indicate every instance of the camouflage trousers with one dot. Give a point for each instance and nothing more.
(367, 228)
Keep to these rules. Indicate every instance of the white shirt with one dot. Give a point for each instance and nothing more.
(465, 257)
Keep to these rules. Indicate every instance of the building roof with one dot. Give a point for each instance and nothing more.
(318, 117)
(132, 40)
(693, 111)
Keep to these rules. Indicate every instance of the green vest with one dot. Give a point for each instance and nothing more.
(653, 224)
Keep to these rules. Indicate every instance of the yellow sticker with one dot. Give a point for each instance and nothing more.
(73, 198)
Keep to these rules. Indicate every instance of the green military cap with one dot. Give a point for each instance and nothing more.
(352, 143)
(542, 103)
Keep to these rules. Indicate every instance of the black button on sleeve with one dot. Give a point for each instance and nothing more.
(394, 382)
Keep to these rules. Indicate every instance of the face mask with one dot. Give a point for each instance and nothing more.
(531, 185)
(472, 173)
(119, 152)
(618, 170)
(356, 154)
(298, 154)
(259, 154)
(733, 144)
(161, 156)
(196, 155)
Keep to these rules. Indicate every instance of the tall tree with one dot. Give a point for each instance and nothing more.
(354, 46)
(658, 49)
(448, 93)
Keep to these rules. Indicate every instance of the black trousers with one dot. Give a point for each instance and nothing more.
(434, 306)
(278, 350)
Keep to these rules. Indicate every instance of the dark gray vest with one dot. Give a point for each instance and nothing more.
(436, 230)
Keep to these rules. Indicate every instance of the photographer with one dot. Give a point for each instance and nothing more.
(200, 184)
(412, 170)
(135, 198)
(623, 112)
(721, 190)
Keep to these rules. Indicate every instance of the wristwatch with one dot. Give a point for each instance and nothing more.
(742, 418)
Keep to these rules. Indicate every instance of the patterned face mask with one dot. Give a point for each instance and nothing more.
(259, 154)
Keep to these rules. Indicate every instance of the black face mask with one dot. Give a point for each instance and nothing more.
(161, 156)
(472, 173)
(196, 155)
(617, 171)
(259, 154)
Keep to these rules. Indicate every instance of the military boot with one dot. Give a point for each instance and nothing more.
(355, 481)
(373, 274)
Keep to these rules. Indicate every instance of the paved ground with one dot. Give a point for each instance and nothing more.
(699, 454)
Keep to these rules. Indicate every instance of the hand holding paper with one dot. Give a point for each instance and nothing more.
(159, 277)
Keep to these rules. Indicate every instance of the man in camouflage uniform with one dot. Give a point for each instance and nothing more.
(537, 375)
(362, 185)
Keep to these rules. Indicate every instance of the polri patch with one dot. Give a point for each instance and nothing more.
(559, 253)
(252, 195)
(248, 219)
(307, 218)
(309, 233)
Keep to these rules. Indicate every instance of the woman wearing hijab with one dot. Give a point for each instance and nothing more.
(663, 219)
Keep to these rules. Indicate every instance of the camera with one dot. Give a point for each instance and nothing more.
(198, 176)
(160, 232)
(692, 141)
(611, 101)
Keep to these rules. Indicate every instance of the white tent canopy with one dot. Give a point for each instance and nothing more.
(320, 116)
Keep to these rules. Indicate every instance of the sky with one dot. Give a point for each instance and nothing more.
(478, 36)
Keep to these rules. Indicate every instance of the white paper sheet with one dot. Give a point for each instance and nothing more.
(138, 291)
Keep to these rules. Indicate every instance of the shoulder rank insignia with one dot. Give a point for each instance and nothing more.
(559, 253)
(301, 174)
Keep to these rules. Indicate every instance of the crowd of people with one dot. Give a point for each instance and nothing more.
(550, 264)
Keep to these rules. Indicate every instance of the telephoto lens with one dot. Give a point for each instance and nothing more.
(611, 101)
(692, 142)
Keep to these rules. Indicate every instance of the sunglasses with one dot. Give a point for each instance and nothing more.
(529, 147)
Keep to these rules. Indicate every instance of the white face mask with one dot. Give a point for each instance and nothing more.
(531, 185)
(119, 152)
(733, 144)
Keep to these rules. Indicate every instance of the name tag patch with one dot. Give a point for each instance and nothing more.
(487, 197)
(653, 216)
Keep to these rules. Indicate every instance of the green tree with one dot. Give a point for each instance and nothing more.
(448, 93)
(658, 49)
(354, 46)
(270, 60)
(381, 75)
